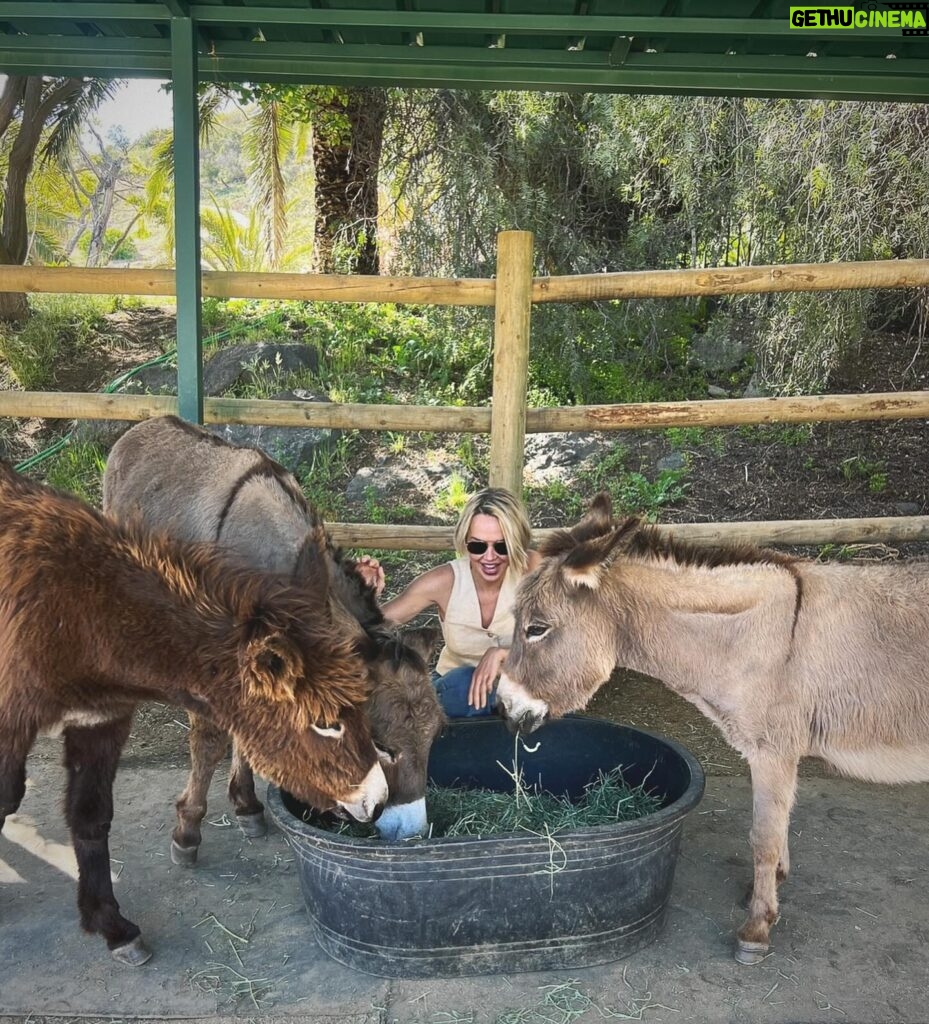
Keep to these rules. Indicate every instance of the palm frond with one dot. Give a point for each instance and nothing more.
(267, 138)
(74, 110)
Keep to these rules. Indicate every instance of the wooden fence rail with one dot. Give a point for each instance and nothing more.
(724, 412)
(512, 294)
(794, 532)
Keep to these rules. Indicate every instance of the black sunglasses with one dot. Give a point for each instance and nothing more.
(478, 547)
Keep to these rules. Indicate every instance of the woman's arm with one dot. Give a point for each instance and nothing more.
(432, 587)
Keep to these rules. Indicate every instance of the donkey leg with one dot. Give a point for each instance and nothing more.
(91, 755)
(13, 751)
(774, 782)
(249, 811)
(208, 745)
(781, 872)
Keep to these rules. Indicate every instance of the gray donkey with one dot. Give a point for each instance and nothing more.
(192, 485)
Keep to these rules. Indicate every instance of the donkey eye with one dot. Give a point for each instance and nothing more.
(386, 756)
(536, 630)
(334, 732)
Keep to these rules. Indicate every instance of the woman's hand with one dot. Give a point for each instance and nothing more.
(372, 572)
(485, 675)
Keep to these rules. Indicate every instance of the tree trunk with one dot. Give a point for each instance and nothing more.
(102, 207)
(346, 165)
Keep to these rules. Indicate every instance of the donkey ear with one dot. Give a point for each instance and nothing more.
(312, 572)
(597, 522)
(589, 562)
(423, 640)
(270, 666)
(601, 508)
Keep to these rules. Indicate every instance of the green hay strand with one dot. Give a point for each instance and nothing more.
(457, 811)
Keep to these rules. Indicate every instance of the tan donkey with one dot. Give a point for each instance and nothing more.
(789, 658)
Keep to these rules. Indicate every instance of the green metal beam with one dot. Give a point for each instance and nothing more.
(494, 24)
(461, 67)
(517, 24)
(187, 219)
(20, 10)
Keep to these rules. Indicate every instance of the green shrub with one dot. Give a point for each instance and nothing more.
(78, 469)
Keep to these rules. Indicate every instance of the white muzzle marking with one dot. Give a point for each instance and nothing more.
(518, 705)
(369, 797)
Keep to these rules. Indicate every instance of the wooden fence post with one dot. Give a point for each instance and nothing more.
(511, 359)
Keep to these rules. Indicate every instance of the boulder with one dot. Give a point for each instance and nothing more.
(292, 447)
(228, 367)
(724, 346)
(396, 480)
(550, 457)
(236, 364)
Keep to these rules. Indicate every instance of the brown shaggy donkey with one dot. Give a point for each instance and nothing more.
(790, 658)
(95, 618)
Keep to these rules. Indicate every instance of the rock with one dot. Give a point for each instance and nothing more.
(559, 456)
(292, 447)
(723, 347)
(716, 392)
(151, 380)
(236, 364)
(908, 508)
(227, 368)
(755, 388)
(393, 480)
(672, 461)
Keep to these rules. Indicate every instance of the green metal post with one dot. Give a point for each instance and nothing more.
(187, 220)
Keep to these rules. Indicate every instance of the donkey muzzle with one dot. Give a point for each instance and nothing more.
(367, 801)
(522, 712)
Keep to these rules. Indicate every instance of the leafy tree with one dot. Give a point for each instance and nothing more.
(33, 108)
(614, 182)
(347, 139)
(347, 128)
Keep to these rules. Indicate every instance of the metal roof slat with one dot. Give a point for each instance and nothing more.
(370, 42)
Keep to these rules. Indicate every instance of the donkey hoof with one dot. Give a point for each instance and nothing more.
(133, 954)
(750, 953)
(183, 856)
(253, 825)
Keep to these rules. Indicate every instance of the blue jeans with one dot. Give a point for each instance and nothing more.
(452, 689)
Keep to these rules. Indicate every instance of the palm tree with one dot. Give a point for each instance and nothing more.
(33, 107)
(348, 136)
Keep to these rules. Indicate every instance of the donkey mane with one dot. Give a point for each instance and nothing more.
(637, 539)
(648, 542)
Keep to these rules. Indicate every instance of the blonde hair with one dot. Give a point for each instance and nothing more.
(509, 512)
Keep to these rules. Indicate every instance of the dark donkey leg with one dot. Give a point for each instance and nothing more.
(91, 757)
(249, 810)
(208, 745)
(13, 750)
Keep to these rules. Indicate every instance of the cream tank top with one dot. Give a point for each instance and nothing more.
(466, 640)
